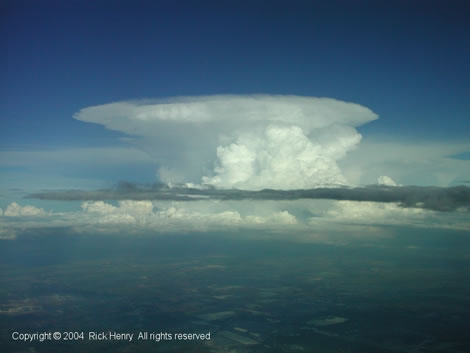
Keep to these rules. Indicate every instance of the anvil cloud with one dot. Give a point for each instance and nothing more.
(246, 142)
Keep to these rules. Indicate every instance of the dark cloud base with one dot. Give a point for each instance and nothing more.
(427, 197)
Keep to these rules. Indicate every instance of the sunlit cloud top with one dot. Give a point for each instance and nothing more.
(248, 142)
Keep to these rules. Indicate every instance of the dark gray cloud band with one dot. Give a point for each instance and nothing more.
(426, 197)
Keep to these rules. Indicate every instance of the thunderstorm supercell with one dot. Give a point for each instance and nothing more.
(229, 177)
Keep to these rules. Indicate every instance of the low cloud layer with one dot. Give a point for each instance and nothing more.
(425, 197)
(246, 142)
(15, 210)
(306, 218)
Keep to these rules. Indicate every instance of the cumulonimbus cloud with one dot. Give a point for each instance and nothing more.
(246, 142)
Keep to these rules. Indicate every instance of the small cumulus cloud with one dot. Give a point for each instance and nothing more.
(373, 213)
(386, 181)
(99, 207)
(127, 212)
(297, 216)
(15, 210)
(16, 217)
(344, 214)
(176, 216)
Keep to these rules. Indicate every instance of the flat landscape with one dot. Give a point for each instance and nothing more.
(250, 295)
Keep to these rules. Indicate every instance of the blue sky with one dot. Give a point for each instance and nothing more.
(403, 61)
